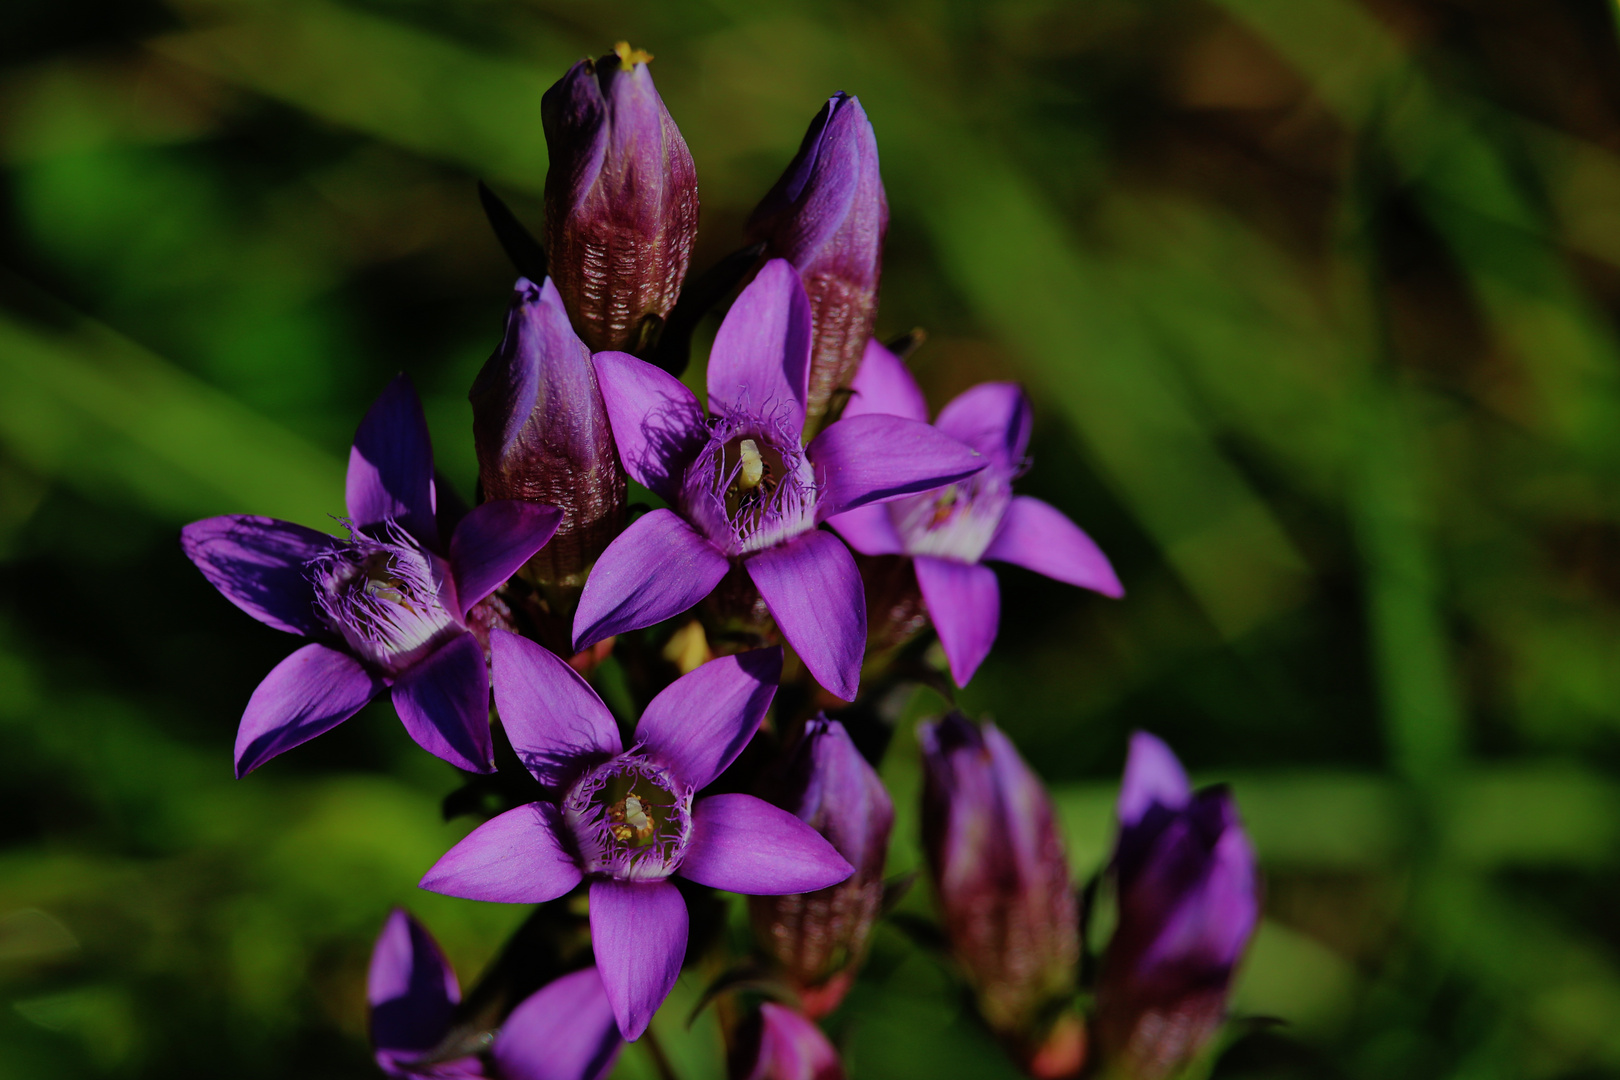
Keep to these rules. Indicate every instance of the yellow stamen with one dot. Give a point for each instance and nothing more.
(630, 57)
(753, 466)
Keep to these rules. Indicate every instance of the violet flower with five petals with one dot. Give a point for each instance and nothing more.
(563, 1031)
(629, 819)
(742, 487)
(950, 532)
(387, 607)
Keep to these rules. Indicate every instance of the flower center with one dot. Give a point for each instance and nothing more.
(750, 488)
(630, 819)
(957, 521)
(385, 596)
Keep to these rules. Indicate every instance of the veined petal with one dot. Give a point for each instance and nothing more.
(563, 1031)
(258, 564)
(638, 931)
(657, 422)
(411, 990)
(391, 465)
(874, 458)
(701, 721)
(656, 568)
(993, 418)
(868, 529)
(311, 692)
(760, 363)
(746, 845)
(1038, 537)
(556, 722)
(443, 701)
(813, 590)
(494, 540)
(884, 386)
(514, 858)
(964, 603)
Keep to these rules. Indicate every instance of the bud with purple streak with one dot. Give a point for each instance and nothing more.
(621, 200)
(1188, 894)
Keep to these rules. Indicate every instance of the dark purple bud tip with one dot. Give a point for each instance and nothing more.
(828, 215)
(542, 435)
(777, 1043)
(621, 200)
(820, 939)
(1000, 876)
(1189, 899)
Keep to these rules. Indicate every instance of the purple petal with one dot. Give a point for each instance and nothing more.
(493, 541)
(411, 990)
(1206, 923)
(258, 564)
(791, 1045)
(391, 465)
(964, 603)
(760, 363)
(884, 386)
(563, 1031)
(554, 719)
(701, 721)
(814, 593)
(871, 458)
(443, 701)
(746, 845)
(657, 422)
(1038, 537)
(638, 930)
(515, 858)
(312, 691)
(657, 568)
(993, 418)
(868, 529)
(1152, 776)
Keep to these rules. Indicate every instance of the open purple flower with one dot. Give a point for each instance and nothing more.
(744, 489)
(1189, 899)
(387, 607)
(563, 1031)
(629, 819)
(950, 532)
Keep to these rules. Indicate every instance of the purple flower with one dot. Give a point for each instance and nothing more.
(827, 216)
(387, 607)
(563, 1031)
(1001, 879)
(621, 200)
(744, 489)
(629, 819)
(950, 532)
(541, 431)
(819, 939)
(777, 1043)
(1189, 898)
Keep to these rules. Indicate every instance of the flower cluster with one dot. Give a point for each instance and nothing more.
(814, 440)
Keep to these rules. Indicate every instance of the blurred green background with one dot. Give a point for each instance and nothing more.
(1317, 301)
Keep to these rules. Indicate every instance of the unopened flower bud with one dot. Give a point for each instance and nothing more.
(1188, 897)
(541, 432)
(777, 1043)
(621, 200)
(1002, 883)
(827, 215)
(820, 939)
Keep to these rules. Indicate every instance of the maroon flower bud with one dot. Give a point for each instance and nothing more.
(820, 939)
(1188, 896)
(541, 432)
(777, 1043)
(1002, 883)
(827, 216)
(621, 200)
